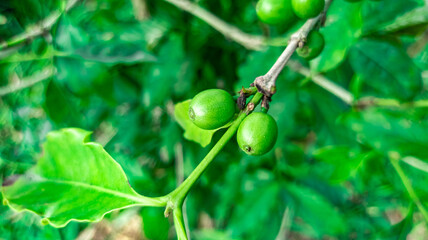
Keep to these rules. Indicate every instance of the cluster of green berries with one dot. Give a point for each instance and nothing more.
(286, 12)
(213, 108)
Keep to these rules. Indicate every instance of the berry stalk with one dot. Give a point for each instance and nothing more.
(266, 83)
(177, 196)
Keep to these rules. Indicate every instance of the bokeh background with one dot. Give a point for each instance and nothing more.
(118, 67)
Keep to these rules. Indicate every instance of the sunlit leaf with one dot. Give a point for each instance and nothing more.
(73, 180)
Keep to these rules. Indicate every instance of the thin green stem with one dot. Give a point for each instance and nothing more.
(264, 110)
(174, 200)
(395, 103)
(395, 158)
(180, 229)
(177, 196)
(181, 192)
(420, 103)
(250, 90)
(266, 83)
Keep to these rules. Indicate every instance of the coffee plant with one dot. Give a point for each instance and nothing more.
(177, 119)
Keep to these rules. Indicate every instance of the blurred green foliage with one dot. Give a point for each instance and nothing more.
(120, 68)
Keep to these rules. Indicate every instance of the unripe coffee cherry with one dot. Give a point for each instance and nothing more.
(306, 9)
(275, 12)
(313, 46)
(257, 134)
(211, 109)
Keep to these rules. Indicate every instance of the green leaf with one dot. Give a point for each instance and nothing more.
(59, 104)
(248, 221)
(25, 226)
(328, 109)
(78, 43)
(421, 60)
(416, 19)
(73, 180)
(256, 64)
(343, 159)
(79, 76)
(390, 131)
(316, 211)
(191, 131)
(380, 13)
(172, 74)
(114, 52)
(68, 35)
(343, 27)
(387, 69)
